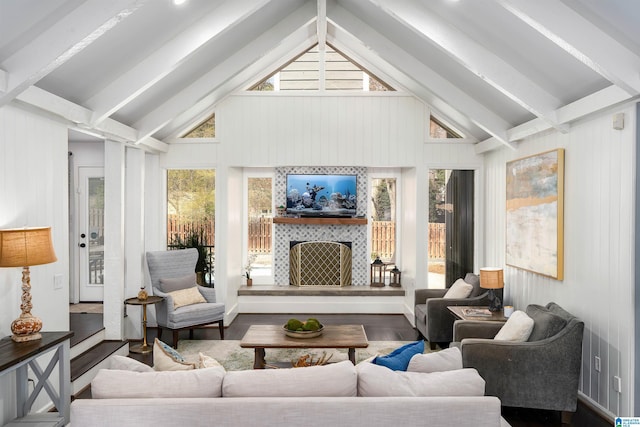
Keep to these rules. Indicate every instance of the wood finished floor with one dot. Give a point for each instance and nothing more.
(383, 327)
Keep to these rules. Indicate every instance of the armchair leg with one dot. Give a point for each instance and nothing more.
(175, 338)
(432, 345)
(190, 334)
(221, 328)
(159, 332)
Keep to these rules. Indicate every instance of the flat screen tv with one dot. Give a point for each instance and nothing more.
(328, 195)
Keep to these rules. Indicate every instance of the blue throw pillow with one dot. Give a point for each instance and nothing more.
(398, 359)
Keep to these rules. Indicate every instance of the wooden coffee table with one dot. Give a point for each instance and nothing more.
(261, 337)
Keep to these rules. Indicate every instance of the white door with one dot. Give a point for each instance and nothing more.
(91, 233)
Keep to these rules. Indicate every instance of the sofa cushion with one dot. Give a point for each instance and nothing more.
(166, 358)
(546, 323)
(459, 289)
(474, 280)
(398, 359)
(335, 379)
(113, 384)
(376, 381)
(439, 361)
(124, 363)
(186, 296)
(517, 328)
(170, 284)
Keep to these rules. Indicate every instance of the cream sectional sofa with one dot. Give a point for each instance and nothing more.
(335, 395)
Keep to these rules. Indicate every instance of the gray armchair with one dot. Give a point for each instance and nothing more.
(433, 320)
(175, 270)
(542, 373)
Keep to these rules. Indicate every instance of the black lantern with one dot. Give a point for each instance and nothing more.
(377, 273)
(394, 280)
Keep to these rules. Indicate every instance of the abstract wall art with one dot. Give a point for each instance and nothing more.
(534, 217)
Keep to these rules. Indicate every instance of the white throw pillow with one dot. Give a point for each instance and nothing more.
(517, 328)
(124, 363)
(378, 381)
(335, 379)
(186, 297)
(205, 361)
(459, 289)
(166, 358)
(444, 360)
(114, 384)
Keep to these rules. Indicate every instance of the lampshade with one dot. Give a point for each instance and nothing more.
(491, 278)
(21, 247)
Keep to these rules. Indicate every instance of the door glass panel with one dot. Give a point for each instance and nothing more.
(96, 231)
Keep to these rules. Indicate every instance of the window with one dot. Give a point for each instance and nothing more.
(383, 224)
(439, 130)
(206, 129)
(308, 72)
(260, 228)
(451, 225)
(191, 216)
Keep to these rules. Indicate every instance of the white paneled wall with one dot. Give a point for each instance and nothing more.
(33, 192)
(599, 246)
(338, 130)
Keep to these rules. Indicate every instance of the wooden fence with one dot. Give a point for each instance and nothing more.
(383, 234)
(260, 235)
(437, 240)
(179, 230)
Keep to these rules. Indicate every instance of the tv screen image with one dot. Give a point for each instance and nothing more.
(321, 195)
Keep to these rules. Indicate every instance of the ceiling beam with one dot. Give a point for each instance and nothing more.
(442, 95)
(474, 57)
(288, 32)
(566, 28)
(322, 24)
(59, 43)
(172, 55)
(597, 101)
(80, 117)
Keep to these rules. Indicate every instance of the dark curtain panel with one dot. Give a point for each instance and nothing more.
(459, 225)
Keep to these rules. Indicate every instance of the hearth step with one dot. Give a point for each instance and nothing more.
(85, 366)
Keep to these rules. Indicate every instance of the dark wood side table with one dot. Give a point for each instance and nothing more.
(19, 357)
(460, 312)
(151, 299)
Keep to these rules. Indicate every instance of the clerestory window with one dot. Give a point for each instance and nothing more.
(316, 70)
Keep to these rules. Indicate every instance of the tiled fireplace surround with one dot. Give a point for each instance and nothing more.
(356, 234)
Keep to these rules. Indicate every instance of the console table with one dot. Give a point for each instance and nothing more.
(19, 357)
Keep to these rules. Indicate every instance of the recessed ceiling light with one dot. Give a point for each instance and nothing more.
(179, 2)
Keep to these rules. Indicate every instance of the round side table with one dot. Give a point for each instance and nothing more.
(152, 299)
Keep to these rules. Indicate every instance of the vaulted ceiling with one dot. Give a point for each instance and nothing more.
(144, 71)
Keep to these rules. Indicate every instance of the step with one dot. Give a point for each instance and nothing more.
(85, 366)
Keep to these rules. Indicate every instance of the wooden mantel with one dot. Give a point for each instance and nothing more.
(320, 221)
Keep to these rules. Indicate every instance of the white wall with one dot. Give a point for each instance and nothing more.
(33, 192)
(599, 246)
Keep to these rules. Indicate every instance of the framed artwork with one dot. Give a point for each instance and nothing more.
(534, 217)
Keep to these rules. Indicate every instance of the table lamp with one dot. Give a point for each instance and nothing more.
(24, 247)
(492, 278)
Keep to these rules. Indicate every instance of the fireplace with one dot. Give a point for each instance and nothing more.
(320, 263)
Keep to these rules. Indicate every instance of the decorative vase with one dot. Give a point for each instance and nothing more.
(143, 295)
(249, 282)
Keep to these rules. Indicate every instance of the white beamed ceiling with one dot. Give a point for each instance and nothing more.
(144, 71)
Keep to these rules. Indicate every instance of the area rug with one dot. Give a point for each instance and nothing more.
(235, 358)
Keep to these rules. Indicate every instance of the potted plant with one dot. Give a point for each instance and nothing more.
(196, 239)
(250, 260)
